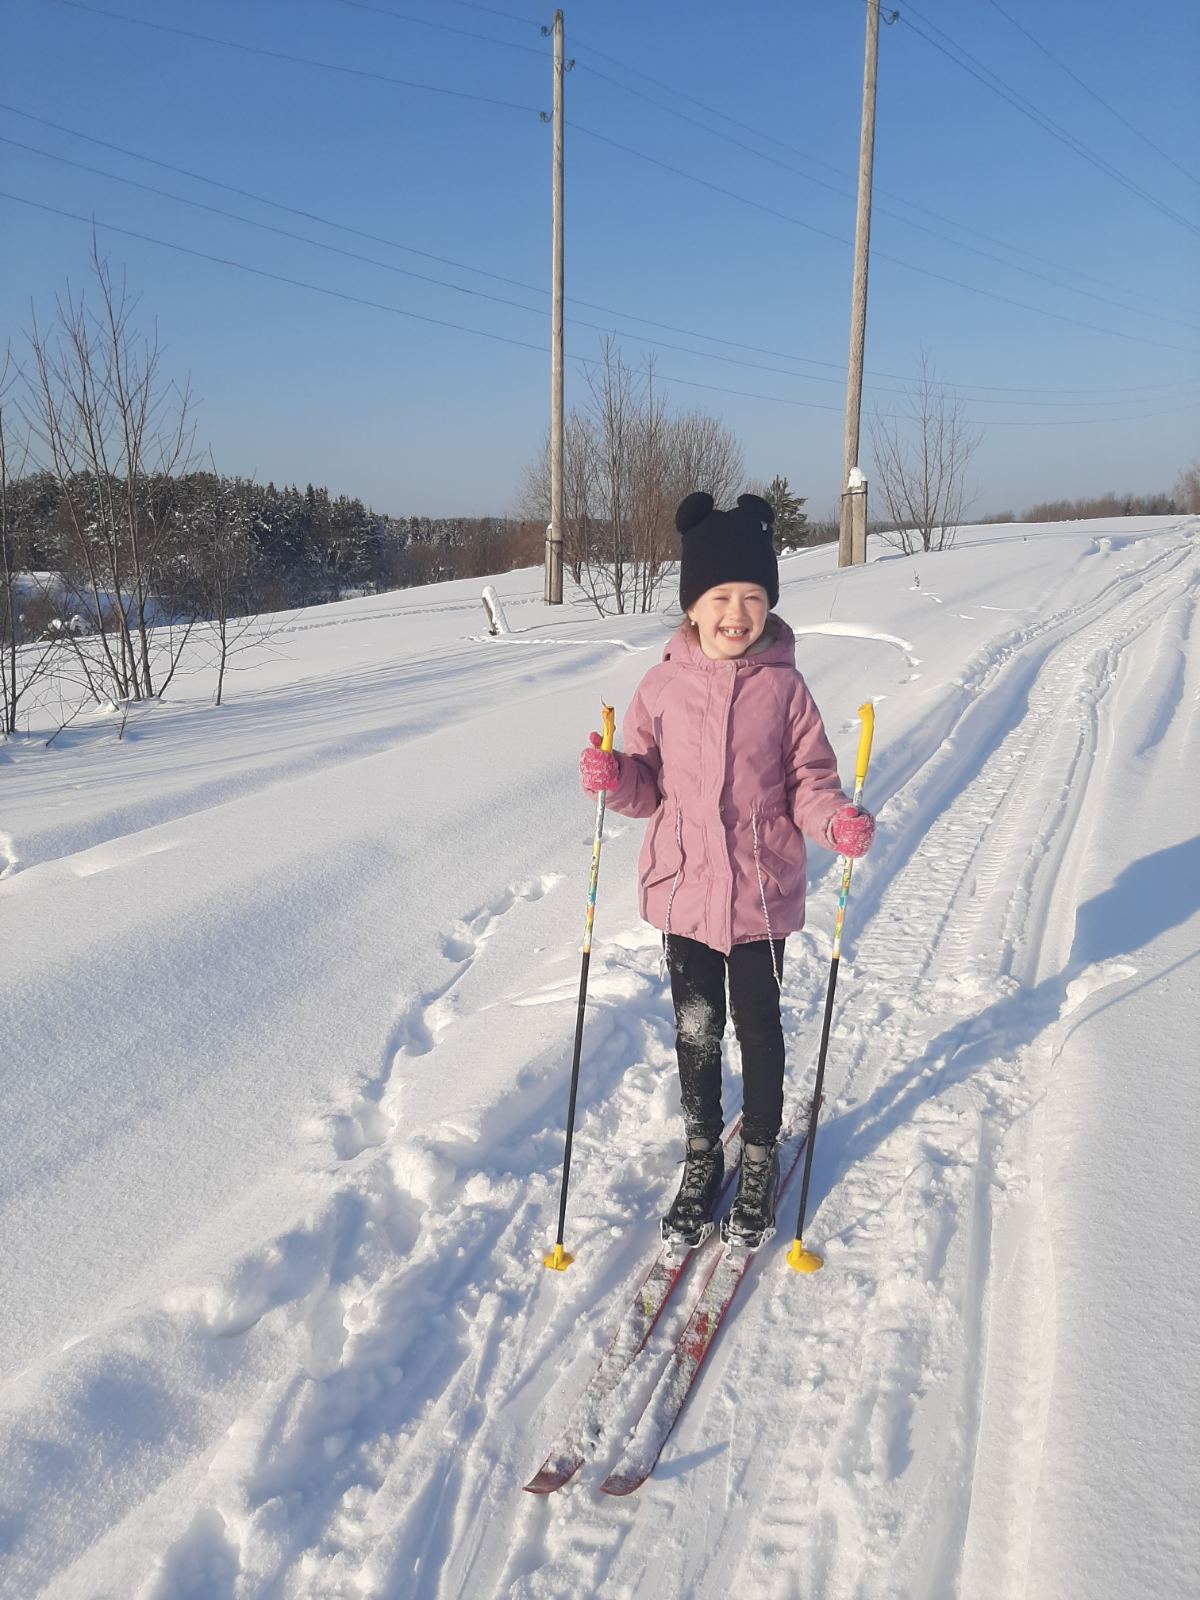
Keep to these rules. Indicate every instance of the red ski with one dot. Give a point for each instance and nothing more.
(640, 1454)
(579, 1438)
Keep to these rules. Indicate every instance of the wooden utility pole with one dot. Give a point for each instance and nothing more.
(554, 542)
(858, 295)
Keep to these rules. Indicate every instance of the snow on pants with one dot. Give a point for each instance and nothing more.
(698, 976)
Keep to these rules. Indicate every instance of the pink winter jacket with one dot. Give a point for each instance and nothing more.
(730, 761)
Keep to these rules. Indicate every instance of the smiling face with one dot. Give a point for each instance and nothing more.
(729, 618)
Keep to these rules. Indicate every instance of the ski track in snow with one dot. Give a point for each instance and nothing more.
(843, 1422)
(917, 1160)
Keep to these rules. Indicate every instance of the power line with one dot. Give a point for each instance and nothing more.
(495, 299)
(339, 294)
(712, 111)
(442, 27)
(82, 5)
(263, 272)
(265, 200)
(996, 422)
(524, 344)
(266, 227)
(934, 233)
(991, 80)
(422, 277)
(805, 155)
(425, 277)
(512, 282)
(899, 377)
(294, 60)
(1087, 89)
(880, 255)
(492, 11)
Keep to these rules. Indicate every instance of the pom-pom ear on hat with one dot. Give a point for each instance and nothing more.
(755, 506)
(725, 546)
(693, 510)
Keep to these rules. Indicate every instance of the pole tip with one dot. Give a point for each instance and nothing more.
(802, 1260)
(558, 1260)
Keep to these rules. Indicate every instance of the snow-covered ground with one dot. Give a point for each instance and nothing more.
(287, 998)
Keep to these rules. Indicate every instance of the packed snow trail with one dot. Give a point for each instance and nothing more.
(351, 1404)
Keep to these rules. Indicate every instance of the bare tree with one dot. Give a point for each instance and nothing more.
(28, 611)
(628, 462)
(217, 587)
(114, 434)
(651, 537)
(920, 463)
(580, 537)
(10, 690)
(705, 454)
(224, 552)
(1187, 488)
(615, 415)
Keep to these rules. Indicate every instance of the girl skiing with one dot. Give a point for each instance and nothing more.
(726, 754)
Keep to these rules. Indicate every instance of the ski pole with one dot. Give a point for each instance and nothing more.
(798, 1257)
(558, 1259)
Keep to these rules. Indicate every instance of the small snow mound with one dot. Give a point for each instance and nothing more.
(1098, 976)
(424, 1173)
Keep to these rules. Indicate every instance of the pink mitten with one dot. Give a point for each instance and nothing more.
(851, 831)
(598, 769)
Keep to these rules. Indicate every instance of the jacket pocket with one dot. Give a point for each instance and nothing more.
(781, 853)
(661, 856)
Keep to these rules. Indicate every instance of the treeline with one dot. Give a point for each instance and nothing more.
(276, 548)
(1183, 497)
(1110, 504)
(118, 576)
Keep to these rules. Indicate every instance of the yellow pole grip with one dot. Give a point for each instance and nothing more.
(867, 713)
(609, 717)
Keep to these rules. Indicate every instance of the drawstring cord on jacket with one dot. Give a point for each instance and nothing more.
(762, 895)
(662, 965)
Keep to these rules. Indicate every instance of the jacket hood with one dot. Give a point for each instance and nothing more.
(777, 650)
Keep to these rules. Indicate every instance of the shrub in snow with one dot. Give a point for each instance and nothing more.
(62, 628)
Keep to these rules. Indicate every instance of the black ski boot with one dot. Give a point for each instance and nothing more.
(690, 1219)
(751, 1221)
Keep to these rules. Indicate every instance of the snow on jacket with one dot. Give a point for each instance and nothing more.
(730, 761)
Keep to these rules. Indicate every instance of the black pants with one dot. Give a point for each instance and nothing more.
(698, 977)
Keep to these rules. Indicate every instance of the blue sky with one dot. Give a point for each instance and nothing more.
(711, 150)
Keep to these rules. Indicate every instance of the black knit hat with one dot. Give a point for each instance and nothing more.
(725, 546)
